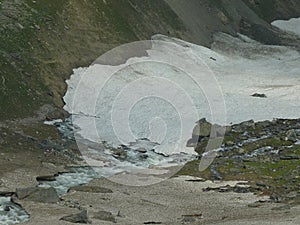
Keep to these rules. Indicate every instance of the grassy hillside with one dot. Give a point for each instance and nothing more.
(42, 41)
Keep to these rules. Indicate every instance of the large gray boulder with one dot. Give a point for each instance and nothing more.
(38, 194)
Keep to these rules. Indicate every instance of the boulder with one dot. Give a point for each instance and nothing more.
(81, 217)
(38, 194)
(202, 128)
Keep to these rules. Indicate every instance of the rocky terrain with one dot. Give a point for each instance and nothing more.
(264, 153)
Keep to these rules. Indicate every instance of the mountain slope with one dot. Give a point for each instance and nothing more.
(42, 41)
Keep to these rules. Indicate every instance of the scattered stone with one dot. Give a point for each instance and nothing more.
(142, 150)
(261, 184)
(120, 153)
(6, 193)
(91, 189)
(289, 157)
(152, 222)
(291, 135)
(38, 194)
(191, 218)
(196, 180)
(81, 217)
(105, 216)
(257, 95)
(46, 178)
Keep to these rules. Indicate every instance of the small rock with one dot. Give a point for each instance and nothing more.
(255, 205)
(241, 150)
(261, 184)
(257, 95)
(120, 153)
(142, 150)
(46, 178)
(289, 157)
(291, 135)
(152, 222)
(229, 143)
(91, 189)
(105, 216)
(81, 217)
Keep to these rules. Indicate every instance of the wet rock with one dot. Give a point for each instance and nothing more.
(105, 216)
(81, 217)
(258, 95)
(120, 153)
(196, 180)
(6, 193)
(142, 150)
(37, 194)
(46, 178)
(289, 157)
(91, 189)
(6, 209)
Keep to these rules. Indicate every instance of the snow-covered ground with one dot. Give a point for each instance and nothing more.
(161, 95)
(292, 25)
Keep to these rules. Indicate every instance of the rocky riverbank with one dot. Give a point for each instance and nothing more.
(261, 157)
(267, 154)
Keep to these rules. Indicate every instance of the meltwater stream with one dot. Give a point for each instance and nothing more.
(11, 213)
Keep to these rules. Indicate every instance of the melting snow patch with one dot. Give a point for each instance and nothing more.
(292, 25)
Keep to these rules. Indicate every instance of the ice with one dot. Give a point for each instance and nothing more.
(160, 96)
(272, 70)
